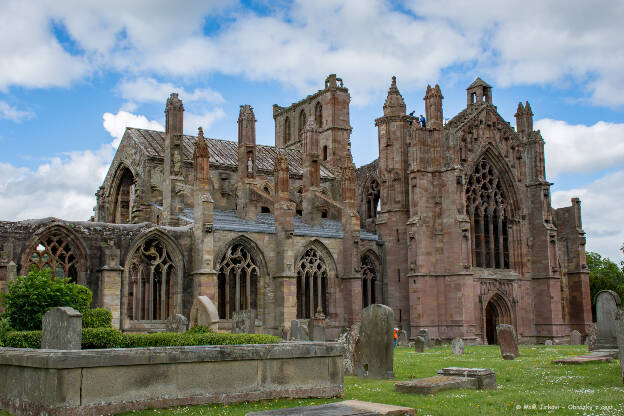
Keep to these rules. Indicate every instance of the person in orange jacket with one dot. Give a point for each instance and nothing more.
(396, 336)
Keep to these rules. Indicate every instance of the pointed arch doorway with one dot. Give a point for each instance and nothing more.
(496, 312)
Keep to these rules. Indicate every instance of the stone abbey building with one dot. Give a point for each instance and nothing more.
(451, 226)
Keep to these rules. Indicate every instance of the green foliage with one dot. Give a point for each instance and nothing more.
(604, 274)
(200, 330)
(5, 326)
(99, 338)
(29, 297)
(97, 318)
(22, 339)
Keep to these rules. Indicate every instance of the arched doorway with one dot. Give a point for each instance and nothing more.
(497, 312)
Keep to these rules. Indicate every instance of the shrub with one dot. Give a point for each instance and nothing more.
(23, 339)
(29, 297)
(200, 330)
(5, 326)
(98, 338)
(97, 318)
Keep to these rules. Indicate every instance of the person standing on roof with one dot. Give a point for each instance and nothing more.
(423, 122)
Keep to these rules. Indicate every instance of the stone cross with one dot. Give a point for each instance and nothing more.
(62, 329)
(508, 341)
(376, 342)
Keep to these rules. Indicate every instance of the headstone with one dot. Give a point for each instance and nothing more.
(244, 322)
(619, 329)
(435, 384)
(576, 338)
(592, 357)
(177, 323)
(457, 346)
(344, 408)
(425, 334)
(592, 336)
(419, 344)
(548, 342)
(376, 342)
(61, 329)
(299, 330)
(403, 338)
(351, 341)
(204, 313)
(318, 329)
(508, 341)
(607, 302)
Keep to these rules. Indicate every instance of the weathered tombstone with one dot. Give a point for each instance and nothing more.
(508, 341)
(592, 336)
(457, 346)
(351, 341)
(299, 330)
(376, 342)
(318, 329)
(403, 338)
(204, 313)
(244, 322)
(576, 338)
(61, 329)
(607, 302)
(548, 342)
(619, 330)
(419, 344)
(425, 335)
(177, 323)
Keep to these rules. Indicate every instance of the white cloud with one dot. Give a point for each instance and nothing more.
(577, 148)
(602, 203)
(204, 120)
(144, 90)
(115, 124)
(9, 112)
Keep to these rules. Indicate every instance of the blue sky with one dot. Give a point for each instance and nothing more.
(74, 74)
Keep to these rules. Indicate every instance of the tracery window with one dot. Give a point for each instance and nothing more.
(152, 282)
(312, 275)
(237, 281)
(124, 198)
(372, 199)
(55, 253)
(488, 207)
(369, 281)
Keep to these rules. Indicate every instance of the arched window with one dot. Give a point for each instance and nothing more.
(152, 282)
(237, 281)
(369, 280)
(303, 118)
(287, 136)
(55, 252)
(124, 198)
(487, 205)
(372, 199)
(318, 115)
(311, 285)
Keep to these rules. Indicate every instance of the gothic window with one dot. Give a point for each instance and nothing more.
(369, 280)
(318, 115)
(124, 198)
(487, 205)
(152, 282)
(287, 130)
(55, 253)
(325, 152)
(311, 285)
(303, 118)
(237, 281)
(372, 199)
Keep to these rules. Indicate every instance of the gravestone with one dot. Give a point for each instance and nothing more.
(403, 338)
(419, 344)
(204, 313)
(576, 338)
(351, 341)
(376, 342)
(457, 346)
(548, 342)
(299, 330)
(244, 322)
(424, 333)
(619, 330)
(592, 336)
(508, 341)
(450, 378)
(61, 329)
(607, 302)
(344, 408)
(177, 323)
(318, 329)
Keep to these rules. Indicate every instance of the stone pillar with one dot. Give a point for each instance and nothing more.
(173, 175)
(110, 283)
(61, 329)
(311, 174)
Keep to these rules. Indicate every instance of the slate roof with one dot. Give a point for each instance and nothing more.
(478, 83)
(223, 153)
(265, 223)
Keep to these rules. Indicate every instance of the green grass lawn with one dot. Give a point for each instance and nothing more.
(530, 380)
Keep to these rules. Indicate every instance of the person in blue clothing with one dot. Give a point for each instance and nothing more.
(423, 123)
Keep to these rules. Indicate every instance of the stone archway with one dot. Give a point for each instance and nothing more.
(496, 312)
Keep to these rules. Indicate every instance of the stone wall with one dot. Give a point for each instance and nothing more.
(112, 381)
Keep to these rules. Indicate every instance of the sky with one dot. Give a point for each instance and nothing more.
(74, 74)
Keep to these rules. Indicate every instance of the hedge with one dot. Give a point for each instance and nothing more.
(97, 318)
(98, 338)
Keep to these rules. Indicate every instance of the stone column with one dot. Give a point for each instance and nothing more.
(110, 283)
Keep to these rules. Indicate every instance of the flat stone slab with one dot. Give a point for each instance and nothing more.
(344, 408)
(486, 379)
(594, 357)
(435, 384)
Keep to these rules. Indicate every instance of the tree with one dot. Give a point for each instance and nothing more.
(604, 274)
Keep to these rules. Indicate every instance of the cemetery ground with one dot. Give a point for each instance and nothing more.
(528, 385)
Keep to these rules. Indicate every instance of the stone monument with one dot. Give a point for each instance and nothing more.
(403, 342)
(419, 344)
(244, 322)
(61, 329)
(607, 302)
(457, 346)
(204, 313)
(592, 336)
(177, 323)
(351, 341)
(619, 329)
(376, 342)
(576, 338)
(299, 330)
(508, 341)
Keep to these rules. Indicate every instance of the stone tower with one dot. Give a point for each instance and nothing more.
(173, 175)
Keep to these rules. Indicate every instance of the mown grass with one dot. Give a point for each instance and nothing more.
(531, 382)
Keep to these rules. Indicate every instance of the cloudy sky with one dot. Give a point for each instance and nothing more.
(74, 74)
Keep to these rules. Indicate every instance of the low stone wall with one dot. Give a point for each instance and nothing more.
(94, 382)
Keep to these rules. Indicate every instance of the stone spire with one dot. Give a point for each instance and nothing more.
(394, 105)
(174, 112)
(433, 106)
(280, 173)
(246, 125)
(201, 158)
(524, 118)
